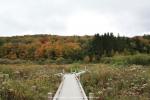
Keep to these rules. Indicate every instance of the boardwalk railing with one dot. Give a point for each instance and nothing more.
(78, 88)
(81, 89)
(59, 90)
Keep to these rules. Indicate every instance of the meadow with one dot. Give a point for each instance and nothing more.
(117, 83)
(106, 81)
(28, 82)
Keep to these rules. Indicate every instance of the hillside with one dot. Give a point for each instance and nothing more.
(68, 49)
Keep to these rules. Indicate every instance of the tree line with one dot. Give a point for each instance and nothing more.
(68, 49)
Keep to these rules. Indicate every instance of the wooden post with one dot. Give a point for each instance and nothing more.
(50, 96)
(34, 88)
(17, 74)
(63, 71)
(85, 68)
(91, 96)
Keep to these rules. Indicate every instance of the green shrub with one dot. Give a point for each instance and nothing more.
(60, 60)
(138, 59)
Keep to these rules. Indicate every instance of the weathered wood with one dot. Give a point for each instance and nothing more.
(91, 96)
(34, 88)
(50, 96)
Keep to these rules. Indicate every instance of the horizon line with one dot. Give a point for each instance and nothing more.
(55, 34)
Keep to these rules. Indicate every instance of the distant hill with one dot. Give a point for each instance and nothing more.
(70, 48)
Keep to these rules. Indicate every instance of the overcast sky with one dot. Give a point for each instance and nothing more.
(74, 17)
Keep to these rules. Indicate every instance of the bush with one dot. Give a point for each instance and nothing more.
(86, 59)
(60, 60)
(119, 60)
(138, 59)
(8, 61)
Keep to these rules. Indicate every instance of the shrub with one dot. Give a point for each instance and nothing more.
(138, 59)
(60, 60)
(86, 59)
(8, 61)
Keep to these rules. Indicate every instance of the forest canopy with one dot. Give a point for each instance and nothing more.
(68, 49)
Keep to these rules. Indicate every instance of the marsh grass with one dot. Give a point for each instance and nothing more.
(28, 82)
(112, 83)
(33, 82)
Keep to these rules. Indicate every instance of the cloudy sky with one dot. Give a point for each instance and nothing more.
(74, 17)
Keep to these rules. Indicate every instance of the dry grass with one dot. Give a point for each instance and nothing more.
(28, 82)
(33, 82)
(109, 83)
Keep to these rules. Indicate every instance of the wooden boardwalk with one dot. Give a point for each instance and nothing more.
(70, 88)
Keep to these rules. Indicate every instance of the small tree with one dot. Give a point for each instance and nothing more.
(60, 60)
(86, 59)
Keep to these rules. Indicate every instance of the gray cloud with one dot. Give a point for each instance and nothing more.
(39, 16)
